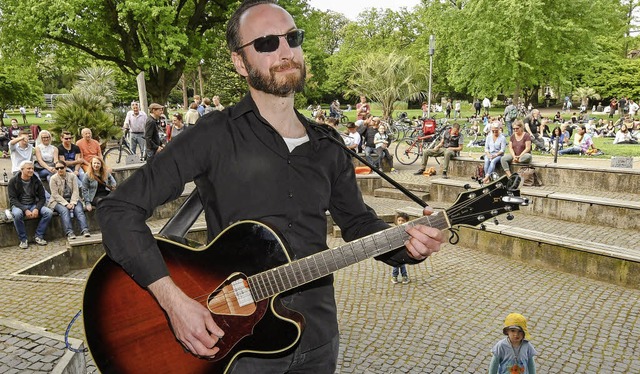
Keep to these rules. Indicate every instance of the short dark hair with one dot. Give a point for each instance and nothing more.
(178, 116)
(233, 25)
(403, 215)
(60, 162)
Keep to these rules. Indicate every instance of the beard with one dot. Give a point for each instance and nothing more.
(285, 86)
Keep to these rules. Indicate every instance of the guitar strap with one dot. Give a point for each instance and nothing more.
(185, 216)
(333, 136)
(190, 210)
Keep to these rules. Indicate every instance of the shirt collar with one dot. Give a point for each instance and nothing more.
(247, 105)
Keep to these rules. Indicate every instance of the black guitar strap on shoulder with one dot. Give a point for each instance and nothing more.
(331, 134)
(185, 216)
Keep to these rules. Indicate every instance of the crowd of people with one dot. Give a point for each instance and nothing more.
(66, 178)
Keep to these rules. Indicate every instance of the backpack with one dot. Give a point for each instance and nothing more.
(478, 175)
(529, 176)
(512, 113)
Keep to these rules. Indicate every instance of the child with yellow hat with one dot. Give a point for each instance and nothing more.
(514, 354)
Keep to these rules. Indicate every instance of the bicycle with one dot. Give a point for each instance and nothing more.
(409, 149)
(113, 155)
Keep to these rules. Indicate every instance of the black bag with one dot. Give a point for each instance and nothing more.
(478, 175)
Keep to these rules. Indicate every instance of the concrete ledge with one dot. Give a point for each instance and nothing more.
(8, 236)
(605, 263)
(36, 342)
(585, 209)
(566, 175)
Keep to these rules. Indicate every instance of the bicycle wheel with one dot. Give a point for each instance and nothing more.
(407, 151)
(344, 119)
(116, 156)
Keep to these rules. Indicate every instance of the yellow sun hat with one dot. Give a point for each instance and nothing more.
(516, 320)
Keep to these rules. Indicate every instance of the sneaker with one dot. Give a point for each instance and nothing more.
(419, 172)
(405, 280)
(394, 280)
(444, 175)
(71, 235)
(23, 244)
(86, 233)
(393, 170)
(40, 241)
(8, 214)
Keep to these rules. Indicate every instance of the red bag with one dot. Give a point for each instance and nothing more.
(429, 126)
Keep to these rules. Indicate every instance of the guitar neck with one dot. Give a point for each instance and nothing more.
(291, 275)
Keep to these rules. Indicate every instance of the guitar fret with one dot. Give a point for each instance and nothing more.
(324, 262)
(274, 281)
(317, 273)
(267, 286)
(299, 273)
(353, 258)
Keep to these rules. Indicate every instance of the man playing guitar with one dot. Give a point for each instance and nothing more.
(258, 160)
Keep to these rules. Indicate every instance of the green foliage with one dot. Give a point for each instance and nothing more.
(18, 86)
(80, 110)
(154, 36)
(386, 78)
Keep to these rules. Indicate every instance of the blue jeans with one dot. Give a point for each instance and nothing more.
(45, 215)
(137, 140)
(490, 165)
(402, 269)
(65, 215)
(368, 151)
(509, 127)
(321, 360)
(570, 151)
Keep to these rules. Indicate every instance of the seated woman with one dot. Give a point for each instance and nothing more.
(624, 136)
(494, 148)
(558, 135)
(519, 148)
(66, 200)
(96, 183)
(46, 156)
(582, 143)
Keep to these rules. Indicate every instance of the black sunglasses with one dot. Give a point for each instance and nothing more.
(60, 167)
(270, 43)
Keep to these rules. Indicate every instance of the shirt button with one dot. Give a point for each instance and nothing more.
(288, 161)
(290, 195)
(290, 225)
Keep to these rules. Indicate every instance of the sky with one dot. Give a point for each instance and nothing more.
(351, 8)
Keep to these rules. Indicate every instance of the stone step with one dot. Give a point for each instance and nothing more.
(579, 206)
(394, 193)
(8, 236)
(596, 251)
(411, 186)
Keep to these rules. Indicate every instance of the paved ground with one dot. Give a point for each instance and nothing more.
(445, 321)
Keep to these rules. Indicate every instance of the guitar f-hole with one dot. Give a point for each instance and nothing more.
(232, 297)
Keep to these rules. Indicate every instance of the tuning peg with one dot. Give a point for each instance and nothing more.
(495, 221)
(510, 217)
(467, 186)
(483, 227)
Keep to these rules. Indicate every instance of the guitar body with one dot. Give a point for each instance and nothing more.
(127, 331)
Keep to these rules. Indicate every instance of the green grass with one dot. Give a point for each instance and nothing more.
(604, 144)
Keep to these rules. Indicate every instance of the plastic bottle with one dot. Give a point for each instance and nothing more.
(5, 177)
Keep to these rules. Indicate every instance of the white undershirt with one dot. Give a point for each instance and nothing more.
(292, 143)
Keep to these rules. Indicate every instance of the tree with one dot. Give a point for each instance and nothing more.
(153, 36)
(89, 105)
(584, 94)
(387, 78)
(18, 86)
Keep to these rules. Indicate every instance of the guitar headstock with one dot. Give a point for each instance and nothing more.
(487, 202)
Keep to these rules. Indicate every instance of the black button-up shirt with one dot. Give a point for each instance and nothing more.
(244, 171)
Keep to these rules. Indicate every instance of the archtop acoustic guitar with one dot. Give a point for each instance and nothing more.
(239, 277)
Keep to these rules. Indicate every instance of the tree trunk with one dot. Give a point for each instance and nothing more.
(160, 82)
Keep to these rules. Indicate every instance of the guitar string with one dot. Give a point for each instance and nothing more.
(301, 273)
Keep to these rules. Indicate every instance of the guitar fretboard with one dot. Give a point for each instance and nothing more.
(285, 277)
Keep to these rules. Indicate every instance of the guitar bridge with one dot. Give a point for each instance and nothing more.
(233, 297)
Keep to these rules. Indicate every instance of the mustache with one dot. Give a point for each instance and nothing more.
(290, 64)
